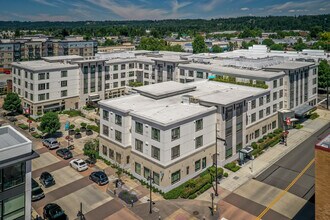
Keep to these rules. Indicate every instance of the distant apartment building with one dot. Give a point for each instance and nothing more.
(33, 48)
(322, 175)
(117, 48)
(15, 174)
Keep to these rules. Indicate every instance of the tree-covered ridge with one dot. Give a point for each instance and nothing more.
(188, 26)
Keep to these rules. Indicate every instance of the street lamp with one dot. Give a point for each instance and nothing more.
(216, 158)
(212, 197)
(80, 214)
(151, 180)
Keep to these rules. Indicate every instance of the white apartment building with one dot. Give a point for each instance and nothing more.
(15, 174)
(168, 130)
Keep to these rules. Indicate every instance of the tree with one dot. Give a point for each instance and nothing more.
(91, 149)
(199, 45)
(12, 102)
(50, 123)
(324, 74)
(217, 49)
(109, 42)
(268, 42)
(277, 47)
(299, 45)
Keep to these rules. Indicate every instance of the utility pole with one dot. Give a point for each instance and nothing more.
(212, 197)
(80, 214)
(150, 200)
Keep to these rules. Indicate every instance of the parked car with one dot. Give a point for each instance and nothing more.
(12, 119)
(36, 193)
(51, 143)
(53, 211)
(65, 153)
(79, 164)
(99, 177)
(46, 179)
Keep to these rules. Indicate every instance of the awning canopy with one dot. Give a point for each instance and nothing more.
(246, 150)
(302, 110)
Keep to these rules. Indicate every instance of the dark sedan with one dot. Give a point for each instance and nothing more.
(53, 211)
(46, 179)
(36, 193)
(99, 177)
(65, 153)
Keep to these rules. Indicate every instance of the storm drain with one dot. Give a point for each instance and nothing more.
(195, 213)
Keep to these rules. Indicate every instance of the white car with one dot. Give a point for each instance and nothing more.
(78, 164)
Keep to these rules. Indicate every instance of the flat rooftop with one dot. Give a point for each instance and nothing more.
(41, 65)
(291, 65)
(9, 137)
(165, 89)
(61, 58)
(324, 143)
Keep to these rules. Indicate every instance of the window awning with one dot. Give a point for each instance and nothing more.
(247, 150)
(302, 110)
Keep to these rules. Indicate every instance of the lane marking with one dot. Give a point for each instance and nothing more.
(279, 196)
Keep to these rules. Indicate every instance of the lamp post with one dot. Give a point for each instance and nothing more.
(216, 158)
(80, 214)
(150, 179)
(212, 198)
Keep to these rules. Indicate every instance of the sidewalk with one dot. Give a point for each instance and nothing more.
(271, 155)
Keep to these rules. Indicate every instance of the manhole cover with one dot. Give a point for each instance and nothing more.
(195, 212)
(236, 178)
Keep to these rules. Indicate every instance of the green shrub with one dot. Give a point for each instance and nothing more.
(265, 137)
(72, 113)
(83, 124)
(72, 126)
(278, 130)
(270, 135)
(94, 128)
(36, 135)
(225, 174)
(254, 145)
(23, 126)
(260, 140)
(314, 116)
(298, 126)
(232, 166)
(77, 130)
(193, 196)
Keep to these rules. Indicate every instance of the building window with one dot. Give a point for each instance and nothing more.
(123, 66)
(199, 125)
(105, 115)
(115, 67)
(274, 108)
(261, 114)
(118, 120)
(199, 142)
(42, 86)
(274, 83)
(122, 75)
(264, 129)
(146, 172)
(268, 98)
(175, 152)
(253, 104)
(138, 127)
(200, 75)
(229, 131)
(261, 101)
(181, 72)
(229, 113)
(257, 133)
(41, 97)
(13, 208)
(197, 165)
(155, 134)
(41, 76)
(267, 110)
(105, 130)
(155, 152)
(274, 95)
(104, 150)
(175, 133)
(281, 93)
(239, 126)
(229, 152)
(281, 105)
(64, 73)
(156, 178)
(187, 170)
(175, 177)
(191, 73)
(273, 124)
(64, 93)
(281, 82)
(239, 109)
(253, 117)
(13, 175)
(111, 154)
(64, 83)
(115, 76)
(118, 136)
(31, 97)
(138, 145)
(137, 168)
(239, 147)
(204, 163)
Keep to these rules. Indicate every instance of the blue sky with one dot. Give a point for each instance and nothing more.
(75, 10)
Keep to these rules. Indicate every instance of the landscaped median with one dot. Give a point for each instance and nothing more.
(266, 141)
(232, 166)
(194, 187)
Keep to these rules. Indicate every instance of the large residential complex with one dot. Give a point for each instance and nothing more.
(15, 174)
(168, 127)
(36, 47)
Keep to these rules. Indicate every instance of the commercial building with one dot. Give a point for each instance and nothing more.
(15, 174)
(322, 176)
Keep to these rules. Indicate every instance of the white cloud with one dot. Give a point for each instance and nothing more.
(322, 9)
(245, 9)
(210, 5)
(176, 5)
(292, 10)
(46, 2)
